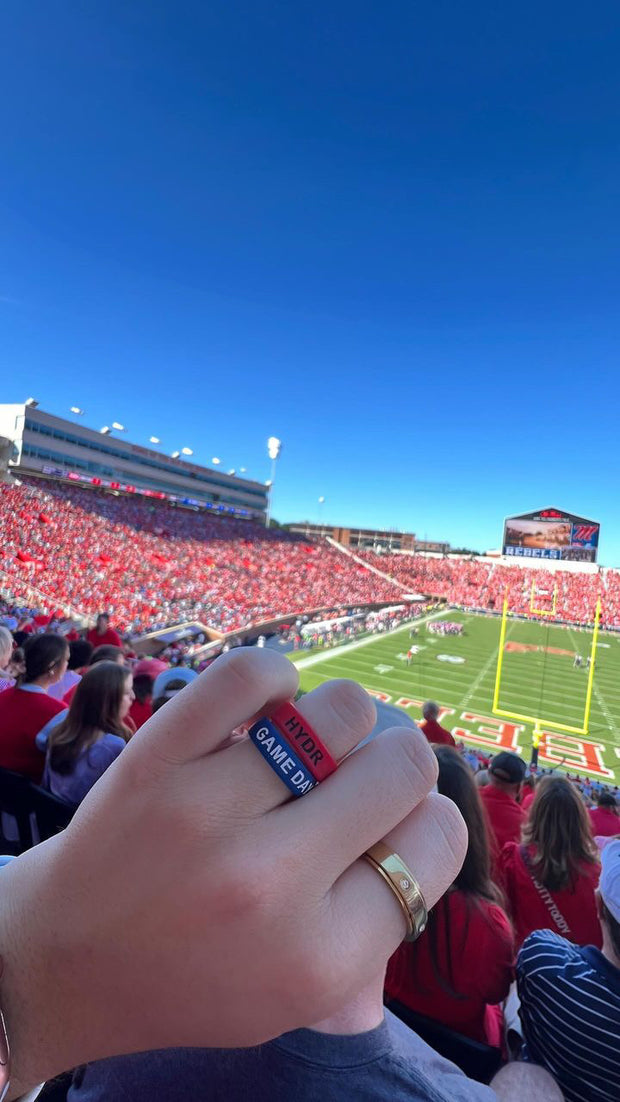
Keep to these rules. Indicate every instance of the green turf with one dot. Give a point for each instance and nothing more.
(534, 682)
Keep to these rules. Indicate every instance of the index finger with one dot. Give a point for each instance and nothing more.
(238, 685)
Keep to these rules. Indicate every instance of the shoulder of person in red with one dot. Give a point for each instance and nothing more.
(436, 733)
(22, 715)
(604, 822)
(466, 933)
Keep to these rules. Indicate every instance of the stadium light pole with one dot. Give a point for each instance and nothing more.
(274, 447)
(321, 504)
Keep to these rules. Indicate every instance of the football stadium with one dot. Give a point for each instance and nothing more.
(309, 553)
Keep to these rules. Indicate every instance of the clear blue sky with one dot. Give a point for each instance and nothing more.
(386, 232)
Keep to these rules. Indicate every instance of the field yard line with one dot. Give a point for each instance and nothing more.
(601, 702)
(325, 655)
(475, 685)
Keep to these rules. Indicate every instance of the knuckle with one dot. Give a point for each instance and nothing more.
(258, 673)
(415, 757)
(351, 706)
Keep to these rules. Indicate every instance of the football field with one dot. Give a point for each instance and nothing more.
(539, 679)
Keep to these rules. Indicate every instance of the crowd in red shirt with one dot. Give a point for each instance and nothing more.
(151, 564)
(471, 583)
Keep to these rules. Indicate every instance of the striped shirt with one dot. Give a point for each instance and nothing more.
(570, 1013)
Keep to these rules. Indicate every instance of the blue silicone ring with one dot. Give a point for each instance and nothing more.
(278, 754)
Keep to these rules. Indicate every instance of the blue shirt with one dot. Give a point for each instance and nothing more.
(91, 764)
(570, 1013)
(386, 1064)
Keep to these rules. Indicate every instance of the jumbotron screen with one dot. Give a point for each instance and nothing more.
(551, 534)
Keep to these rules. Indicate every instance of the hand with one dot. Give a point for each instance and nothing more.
(191, 903)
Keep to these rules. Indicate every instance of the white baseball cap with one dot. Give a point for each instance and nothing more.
(609, 883)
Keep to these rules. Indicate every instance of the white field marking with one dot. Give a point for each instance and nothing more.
(313, 659)
(603, 705)
(383, 669)
(475, 685)
(484, 711)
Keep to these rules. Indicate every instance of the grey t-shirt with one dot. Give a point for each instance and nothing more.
(387, 1064)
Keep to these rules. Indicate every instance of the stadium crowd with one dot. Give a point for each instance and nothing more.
(151, 564)
(473, 584)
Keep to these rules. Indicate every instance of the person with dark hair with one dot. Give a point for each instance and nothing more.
(107, 652)
(26, 709)
(500, 801)
(142, 707)
(92, 733)
(80, 651)
(550, 877)
(605, 817)
(102, 633)
(570, 999)
(463, 964)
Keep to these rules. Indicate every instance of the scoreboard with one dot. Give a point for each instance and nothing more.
(551, 534)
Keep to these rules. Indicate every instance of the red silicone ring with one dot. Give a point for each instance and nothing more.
(304, 741)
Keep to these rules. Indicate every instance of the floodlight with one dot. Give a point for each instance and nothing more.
(154, 440)
(78, 412)
(175, 455)
(32, 403)
(215, 460)
(187, 451)
(105, 431)
(274, 447)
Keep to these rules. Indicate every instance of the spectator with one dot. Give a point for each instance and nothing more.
(528, 792)
(26, 709)
(431, 727)
(550, 879)
(462, 966)
(500, 801)
(92, 734)
(142, 707)
(17, 663)
(570, 999)
(605, 818)
(80, 651)
(6, 651)
(102, 633)
(169, 683)
(107, 652)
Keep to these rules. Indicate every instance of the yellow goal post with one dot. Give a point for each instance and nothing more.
(539, 721)
(536, 593)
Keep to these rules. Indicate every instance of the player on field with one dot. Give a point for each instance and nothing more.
(578, 661)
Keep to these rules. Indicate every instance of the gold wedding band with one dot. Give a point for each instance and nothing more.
(403, 884)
